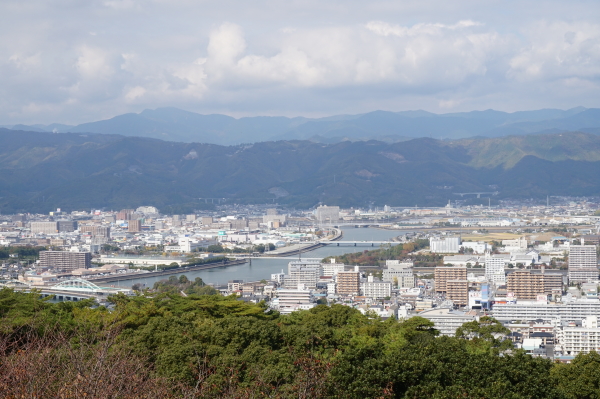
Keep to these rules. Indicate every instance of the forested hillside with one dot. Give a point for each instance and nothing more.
(43, 171)
(209, 346)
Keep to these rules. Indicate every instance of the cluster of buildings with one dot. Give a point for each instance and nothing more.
(335, 282)
(549, 311)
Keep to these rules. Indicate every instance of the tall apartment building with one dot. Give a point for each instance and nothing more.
(327, 214)
(61, 260)
(44, 227)
(348, 283)
(400, 273)
(583, 263)
(448, 245)
(458, 292)
(494, 269)
(526, 285)
(125, 214)
(134, 226)
(303, 272)
(444, 274)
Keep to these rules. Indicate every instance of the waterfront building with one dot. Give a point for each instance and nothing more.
(332, 268)
(306, 272)
(327, 214)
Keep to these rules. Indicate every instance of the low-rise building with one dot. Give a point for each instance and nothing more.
(573, 339)
(375, 288)
(446, 320)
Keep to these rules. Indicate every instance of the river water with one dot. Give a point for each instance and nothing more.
(262, 268)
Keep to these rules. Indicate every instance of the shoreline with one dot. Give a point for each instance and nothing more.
(179, 270)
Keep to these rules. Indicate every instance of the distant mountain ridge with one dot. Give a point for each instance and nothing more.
(40, 171)
(172, 124)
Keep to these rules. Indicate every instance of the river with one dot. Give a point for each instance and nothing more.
(262, 268)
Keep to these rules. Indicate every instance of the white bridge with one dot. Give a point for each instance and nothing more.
(358, 243)
(68, 290)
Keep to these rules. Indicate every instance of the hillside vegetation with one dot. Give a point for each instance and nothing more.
(43, 171)
(209, 346)
(508, 151)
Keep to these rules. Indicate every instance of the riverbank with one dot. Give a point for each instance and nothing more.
(302, 248)
(179, 270)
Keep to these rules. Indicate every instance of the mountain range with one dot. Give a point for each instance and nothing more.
(40, 171)
(172, 124)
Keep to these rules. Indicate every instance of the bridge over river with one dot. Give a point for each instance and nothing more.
(68, 290)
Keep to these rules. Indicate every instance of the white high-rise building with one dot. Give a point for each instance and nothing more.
(494, 269)
(327, 214)
(303, 272)
(333, 268)
(583, 263)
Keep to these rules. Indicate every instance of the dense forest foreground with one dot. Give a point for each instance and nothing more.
(209, 346)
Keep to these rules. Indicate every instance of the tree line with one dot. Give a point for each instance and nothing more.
(167, 345)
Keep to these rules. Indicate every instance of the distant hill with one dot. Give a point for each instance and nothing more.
(172, 124)
(42, 171)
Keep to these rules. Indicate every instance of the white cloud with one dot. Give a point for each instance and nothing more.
(135, 93)
(80, 61)
(558, 51)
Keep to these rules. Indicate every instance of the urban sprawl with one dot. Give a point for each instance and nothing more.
(531, 266)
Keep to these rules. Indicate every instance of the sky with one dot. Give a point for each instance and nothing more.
(73, 61)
